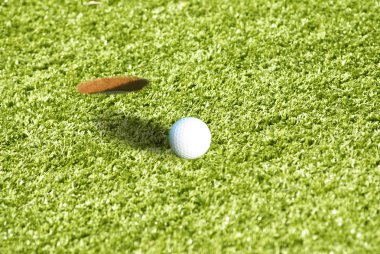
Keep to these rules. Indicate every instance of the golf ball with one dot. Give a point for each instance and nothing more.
(189, 138)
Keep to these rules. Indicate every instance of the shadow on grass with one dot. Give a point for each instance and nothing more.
(134, 131)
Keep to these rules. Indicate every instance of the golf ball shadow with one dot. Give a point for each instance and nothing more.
(135, 131)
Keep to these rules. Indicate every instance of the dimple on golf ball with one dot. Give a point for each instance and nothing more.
(189, 138)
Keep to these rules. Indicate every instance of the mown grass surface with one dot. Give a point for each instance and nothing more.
(289, 89)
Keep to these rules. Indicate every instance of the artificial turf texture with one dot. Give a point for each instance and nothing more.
(289, 89)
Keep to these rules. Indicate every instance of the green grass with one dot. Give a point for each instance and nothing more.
(289, 89)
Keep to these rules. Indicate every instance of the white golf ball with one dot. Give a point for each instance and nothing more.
(189, 138)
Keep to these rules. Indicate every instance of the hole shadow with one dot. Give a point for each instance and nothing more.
(134, 131)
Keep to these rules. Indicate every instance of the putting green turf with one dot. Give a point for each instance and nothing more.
(289, 89)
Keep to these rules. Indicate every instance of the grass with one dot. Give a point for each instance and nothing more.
(289, 89)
